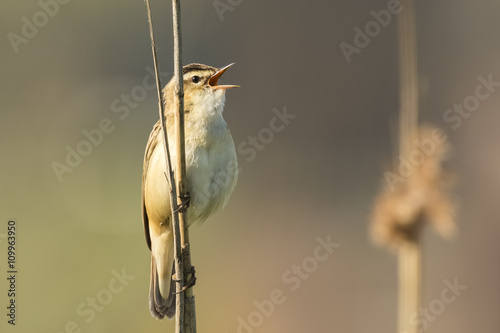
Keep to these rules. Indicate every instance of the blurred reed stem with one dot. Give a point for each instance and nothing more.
(409, 275)
(409, 252)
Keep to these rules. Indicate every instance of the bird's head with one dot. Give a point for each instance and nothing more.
(201, 87)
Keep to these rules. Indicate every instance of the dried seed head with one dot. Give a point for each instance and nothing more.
(416, 192)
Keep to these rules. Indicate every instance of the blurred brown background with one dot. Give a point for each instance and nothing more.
(316, 178)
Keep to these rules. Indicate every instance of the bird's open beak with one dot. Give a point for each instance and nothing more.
(215, 78)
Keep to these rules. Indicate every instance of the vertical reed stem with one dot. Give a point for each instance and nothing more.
(409, 252)
(185, 307)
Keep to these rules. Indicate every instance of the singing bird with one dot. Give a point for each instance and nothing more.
(211, 173)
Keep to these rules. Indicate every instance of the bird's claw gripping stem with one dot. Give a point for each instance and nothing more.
(184, 205)
(191, 282)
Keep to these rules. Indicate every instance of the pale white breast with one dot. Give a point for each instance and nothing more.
(212, 172)
(212, 168)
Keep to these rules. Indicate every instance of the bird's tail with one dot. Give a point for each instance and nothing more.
(158, 304)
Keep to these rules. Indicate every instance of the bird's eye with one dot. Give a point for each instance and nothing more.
(195, 79)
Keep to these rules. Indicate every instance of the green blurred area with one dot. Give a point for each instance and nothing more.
(315, 178)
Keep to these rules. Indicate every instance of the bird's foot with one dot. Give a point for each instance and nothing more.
(185, 201)
(190, 283)
(192, 277)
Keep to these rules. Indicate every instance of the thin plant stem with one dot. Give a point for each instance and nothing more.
(409, 258)
(185, 313)
(174, 203)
